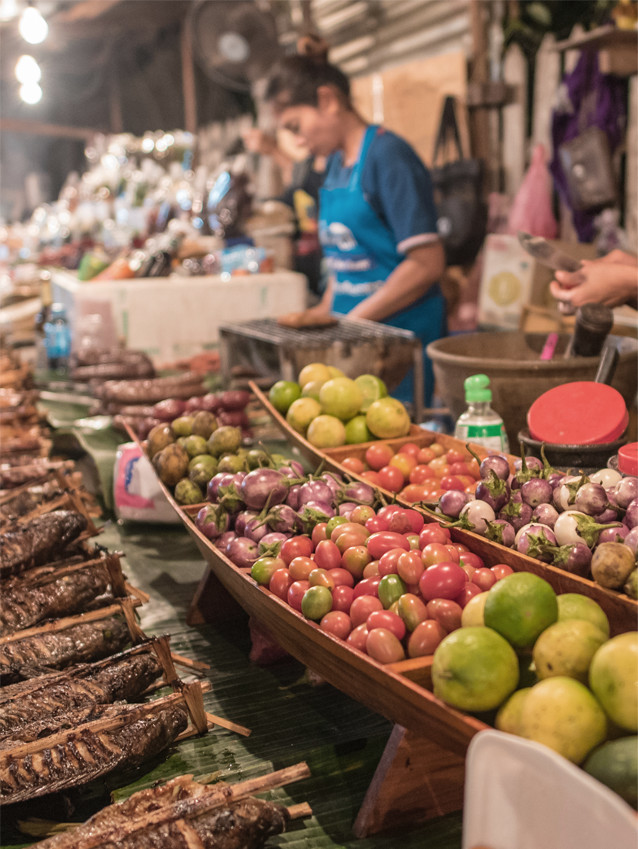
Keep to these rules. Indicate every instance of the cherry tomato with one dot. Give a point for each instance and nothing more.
(469, 570)
(353, 464)
(349, 540)
(443, 580)
(386, 619)
(456, 455)
(433, 532)
(377, 523)
(413, 539)
(452, 482)
(356, 639)
(438, 449)
(371, 477)
(410, 448)
(354, 559)
(388, 510)
(391, 478)
(458, 546)
(327, 555)
(264, 568)
(446, 612)
(471, 488)
(453, 552)
(368, 586)
(473, 466)
(337, 623)
(466, 480)
(467, 593)
(321, 578)
(378, 455)
(316, 602)
(294, 547)
(280, 582)
(296, 592)
(421, 473)
(435, 552)
(470, 559)
(501, 570)
(425, 455)
(342, 597)
(318, 533)
(361, 513)
(404, 463)
(341, 577)
(383, 646)
(383, 541)
(411, 609)
(388, 561)
(390, 588)
(484, 578)
(371, 569)
(409, 566)
(333, 523)
(413, 493)
(300, 567)
(362, 607)
(348, 527)
(425, 638)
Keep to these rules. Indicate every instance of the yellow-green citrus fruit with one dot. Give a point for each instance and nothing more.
(340, 397)
(520, 607)
(282, 394)
(301, 412)
(326, 432)
(387, 418)
(567, 648)
(613, 677)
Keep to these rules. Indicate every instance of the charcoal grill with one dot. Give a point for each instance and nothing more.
(265, 348)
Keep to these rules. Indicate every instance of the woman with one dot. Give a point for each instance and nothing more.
(377, 219)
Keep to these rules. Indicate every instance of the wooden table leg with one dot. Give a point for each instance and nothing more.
(416, 780)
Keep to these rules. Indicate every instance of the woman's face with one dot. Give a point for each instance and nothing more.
(317, 128)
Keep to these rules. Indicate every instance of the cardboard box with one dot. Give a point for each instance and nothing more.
(506, 282)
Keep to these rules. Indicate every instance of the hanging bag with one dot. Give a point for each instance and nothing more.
(462, 213)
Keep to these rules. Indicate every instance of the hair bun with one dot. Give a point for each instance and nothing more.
(313, 46)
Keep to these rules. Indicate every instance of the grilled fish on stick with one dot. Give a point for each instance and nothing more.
(39, 540)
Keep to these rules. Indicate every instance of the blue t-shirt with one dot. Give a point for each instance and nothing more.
(397, 185)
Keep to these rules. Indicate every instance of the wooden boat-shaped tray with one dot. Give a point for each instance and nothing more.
(621, 610)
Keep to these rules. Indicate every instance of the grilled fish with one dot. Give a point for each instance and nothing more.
(122, 677)
(27, 500)
(48, 725)
(31, 770)
(39, 540)
(23, 658)
(23, 605)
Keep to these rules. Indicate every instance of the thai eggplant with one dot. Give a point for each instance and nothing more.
(39, 540)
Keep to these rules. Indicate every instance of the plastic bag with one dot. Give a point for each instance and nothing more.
(136, 491)
(532, 207)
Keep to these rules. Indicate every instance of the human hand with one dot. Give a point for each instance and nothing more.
(612, 280)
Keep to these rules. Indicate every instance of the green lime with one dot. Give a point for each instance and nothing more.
(282, 394)
(301, 413)
(357, 431)
(326, 431)
(372, 388)
(520, 607)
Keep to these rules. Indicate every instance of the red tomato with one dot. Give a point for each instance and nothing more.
(371, 569)
(425, 455)
(458, 546)
(435, 552)
(443, 580)
(470, 559)
(438, 449)
(409, 566)
(404, 463)
(383, 646)
(318, 533)
(414, 493)
(321, 578)
(353, 464)
(341, 577)
(342, 597)
(391, 478)
(350, 528)
(361, 513)
(294, 547)
(354, 559)
(484, 578)
(415, 520)
(296, 593)
(446, 612)
(421, 473)
(356, 639)
(452, 482)
(337, 623)
(327, 555)
(368, 586)
(378, 455)
(425, 638)
(388, 510)
(371, 477)
(280, 580)
(413, 539)
(433, 532)
(456, 455)
(501, 570)
(377, 523)
(410, 448)
(386, 619)
(468, 592)
(383, 541)
(349, 540)
(467, 480)
(300, 567)
(461, 469)
(388, 561)
(453, 552)
(473, 466)
(411, 609)
(469, 570)
(362, 607)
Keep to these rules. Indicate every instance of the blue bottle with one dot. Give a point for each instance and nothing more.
(57, 339)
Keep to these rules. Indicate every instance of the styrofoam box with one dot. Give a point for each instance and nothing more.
(174, 317)
(522, 795)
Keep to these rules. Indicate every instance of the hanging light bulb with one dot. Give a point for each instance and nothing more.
(32, 26)
(30, 93)
(28, 70)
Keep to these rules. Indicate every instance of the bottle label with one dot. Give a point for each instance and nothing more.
(489, 435)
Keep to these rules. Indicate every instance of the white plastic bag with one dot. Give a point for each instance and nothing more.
(136, 490)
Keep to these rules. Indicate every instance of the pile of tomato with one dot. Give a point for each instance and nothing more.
(416, 473)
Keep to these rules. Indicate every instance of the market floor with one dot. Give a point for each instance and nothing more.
(291, 718)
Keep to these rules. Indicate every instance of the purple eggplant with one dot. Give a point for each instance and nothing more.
(271, 542)
(536, 491)
(500, 531)
(242, 551)
(573, 527)
(608, 515)
(282, 519)
(525, 469)
(591, 498)
(625, 491)
(516, 513)
(255, 529)
(359, 492)
(607, 477)
(475, 516)
(632, 539)
(575, 558)
(313, 512)
(494, 464)
(291, 469)
(493, 491)
(452, 502)
(220, 479)
(333, 480)
(346, 508)
(535, 541)
(631, 516)
(618, 534)
(545, 514)
(222, 541)
(315, 490)
(564, 494)
(263, 485)
(212, 520)
(242, 519)
(292, 499)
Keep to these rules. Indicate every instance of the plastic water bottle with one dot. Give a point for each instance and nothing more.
(57, 339)
(480, 423)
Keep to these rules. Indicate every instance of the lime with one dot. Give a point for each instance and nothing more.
(520, 606)
(473, 611)
(301, 412)
(578, 606)
(563, 714)
(474, 669)
(335, 372)
(387, 418)
(311, 389)
(372, 388)
(195, 445)
(508, 717)
(613, 677)
(314, 371)
(282, 394)
(567, 648)
(340, 397)
(615, 763)
(357, 431)
(326, 432)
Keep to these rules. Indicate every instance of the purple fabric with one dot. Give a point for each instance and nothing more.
(607, 111)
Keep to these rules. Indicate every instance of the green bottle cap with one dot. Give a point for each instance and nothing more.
(477, 388)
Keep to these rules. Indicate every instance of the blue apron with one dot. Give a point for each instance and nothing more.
(360, 254)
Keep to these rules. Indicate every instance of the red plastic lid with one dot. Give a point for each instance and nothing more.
(579, 413)
(628, 459)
